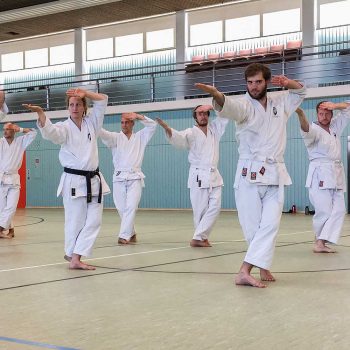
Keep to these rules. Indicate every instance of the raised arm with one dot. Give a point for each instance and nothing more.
(342, 119)
(39, 111)
(29, 135)
(165, 126)
(304, 124)
(49, 131)
(79, 92)
(218, 96)
(283, 81)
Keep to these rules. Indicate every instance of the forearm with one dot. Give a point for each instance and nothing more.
(94, 96)
(304, 124)
(293, 84)
(41, 118)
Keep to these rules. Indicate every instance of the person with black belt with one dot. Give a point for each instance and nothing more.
(81, 185)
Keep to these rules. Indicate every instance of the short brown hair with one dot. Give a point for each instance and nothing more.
(194, 112)
(255, 68)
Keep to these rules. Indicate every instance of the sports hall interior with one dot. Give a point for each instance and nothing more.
(161, 293)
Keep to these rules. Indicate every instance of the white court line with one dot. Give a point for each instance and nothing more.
(130, 254)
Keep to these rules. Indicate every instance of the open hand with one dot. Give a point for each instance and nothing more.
(33, 108)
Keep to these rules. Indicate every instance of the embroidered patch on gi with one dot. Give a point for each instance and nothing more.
(118, 173)
(253, 176)
(244, 172)
(321, 184)
(262, 170)
(73, 192)
(274, 110)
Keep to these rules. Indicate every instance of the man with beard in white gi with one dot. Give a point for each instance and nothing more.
(326, 176)
(81, 185)
(261, 175)
(128, 149)
(204, 180)
(11, 154)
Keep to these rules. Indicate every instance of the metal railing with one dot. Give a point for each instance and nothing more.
(312, 64)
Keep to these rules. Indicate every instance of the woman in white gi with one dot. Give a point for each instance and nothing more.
(326, 176)
(128, 149)
(261, 174)
(204, 180)
(81, 185)
(11, 154)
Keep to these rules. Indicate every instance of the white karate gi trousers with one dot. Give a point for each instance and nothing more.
(259, 213)
(127, 196)
(330, 211)
(82, 224)
(206, 205)
(9, 196)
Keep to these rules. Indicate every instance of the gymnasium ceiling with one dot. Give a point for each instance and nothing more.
(23, 18)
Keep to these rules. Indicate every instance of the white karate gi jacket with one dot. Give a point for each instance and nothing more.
(11, 156)
(203, 153)
(262, 135)
(128, 153)
(78, 149)
(324, 151)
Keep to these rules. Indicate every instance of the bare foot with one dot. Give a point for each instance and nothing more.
(196, 243)
(244, 279)
(266, 275)
(11, 232)
(133, 239)
(6, 235)
(320, 247)
(122, 241)
(78, 265)
(323, 249)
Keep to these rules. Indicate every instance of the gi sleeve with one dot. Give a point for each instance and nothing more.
(56, 133)
(28, 138)
(97, 114)
(180, 139)
(235, 109)
(341, 120)
(219, 125)
(3, 111)
(293, 100)
(110, 139)
(149, 129)
(311, 136)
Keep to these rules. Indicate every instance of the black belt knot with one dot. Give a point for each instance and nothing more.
(88, 176)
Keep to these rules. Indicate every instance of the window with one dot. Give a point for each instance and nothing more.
(36, 58)
(97, 49)
(206, 33)
(12, 61)
(129, 44)
(242, 28)
(160, 39)
(61, 54)
(334, 14)
(281, 22)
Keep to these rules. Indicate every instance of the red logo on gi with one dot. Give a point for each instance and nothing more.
(321, 184)
(253, 176)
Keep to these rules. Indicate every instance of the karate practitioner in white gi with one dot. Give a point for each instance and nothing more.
(261, 174)
(81, 185)
(11, 154)
(204, 180)
(326, 176)
(128, 149)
